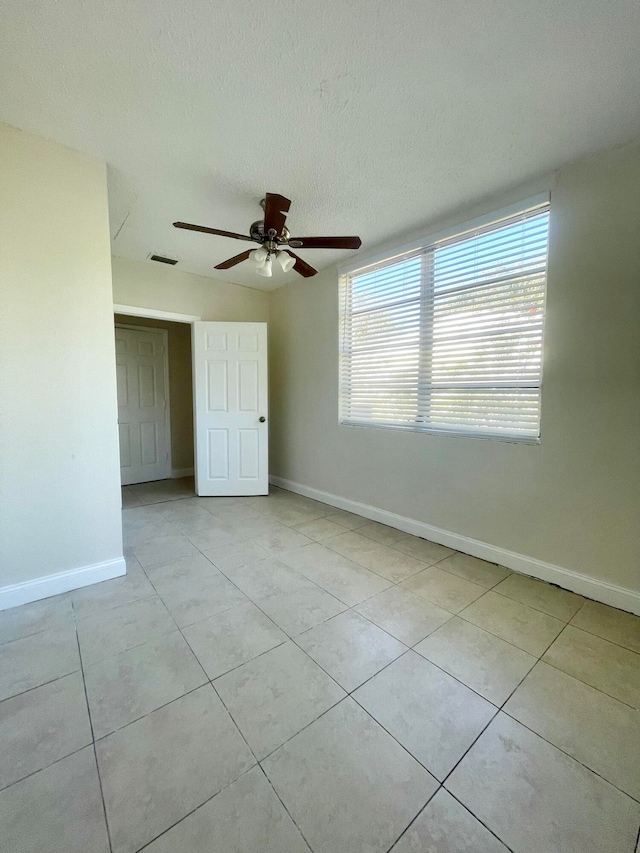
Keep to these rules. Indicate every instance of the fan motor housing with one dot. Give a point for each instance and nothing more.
(257, 233)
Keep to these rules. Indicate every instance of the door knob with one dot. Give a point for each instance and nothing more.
(262, 419)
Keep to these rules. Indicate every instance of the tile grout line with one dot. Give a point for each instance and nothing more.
(466, 808)
(293, 820)
(194, 810)
(93, 740)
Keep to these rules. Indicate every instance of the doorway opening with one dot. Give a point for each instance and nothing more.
(155, 408)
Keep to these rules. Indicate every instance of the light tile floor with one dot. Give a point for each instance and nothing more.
(277, 676)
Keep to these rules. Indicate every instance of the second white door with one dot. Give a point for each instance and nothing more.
(142, 412)
(230, 408)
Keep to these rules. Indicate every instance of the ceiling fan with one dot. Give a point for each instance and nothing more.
(275, 240)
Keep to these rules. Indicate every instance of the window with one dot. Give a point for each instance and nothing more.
(447, 338)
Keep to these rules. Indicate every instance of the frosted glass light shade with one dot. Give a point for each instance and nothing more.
(285, 261)
(265, 269)
(259, 256)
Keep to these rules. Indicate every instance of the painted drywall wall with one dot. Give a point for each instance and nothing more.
(60, 498)
(180, 386)
(153, 285)
(572, 501)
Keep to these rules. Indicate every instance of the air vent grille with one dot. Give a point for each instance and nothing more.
(171, 261)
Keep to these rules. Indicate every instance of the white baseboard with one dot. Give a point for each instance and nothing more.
(28, 591)
(599, 590)
(176, 473)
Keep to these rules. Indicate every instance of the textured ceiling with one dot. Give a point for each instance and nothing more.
(374, 117)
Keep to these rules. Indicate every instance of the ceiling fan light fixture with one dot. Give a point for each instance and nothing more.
(259, 256)
(286, 261)
(265, 269)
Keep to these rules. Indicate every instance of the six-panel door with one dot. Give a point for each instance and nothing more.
(141, 405)
(230, 399)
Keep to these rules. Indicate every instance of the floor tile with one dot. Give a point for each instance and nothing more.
(281, 540)
(37, 659)
(381, 533)
(58, 810)
(193, 570)
(522, 626)
(236, 555)
(129, 498)
(405, 616)
(45, 615)
(474, 570)
(260, 525)
(536, 798)
(240, 517)
(347, 783)
(391, 564)
(127, 686)
(112, 593)
(211, 504)
(430, 713)
(346, 580)
(320, 529)
(603, 665)
(247, 817)
(486, 664)
(301, 608)
(113, 631)
(192, 524)
(158, 769)
(141, 515)
(541, 596)
(292, 515)
(444, 589)
(350, 648)
(215, 535)
(139, 534)
(274, 696)
(347, 519)
(41, 726)
(162, 549)
(594, 728)
(611, 624)
(229, 639)
(189, 603)
(184, 509)
(266, 577)
(447, 827)
(422, 549)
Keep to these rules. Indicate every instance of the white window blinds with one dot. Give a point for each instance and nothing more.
(448, 338)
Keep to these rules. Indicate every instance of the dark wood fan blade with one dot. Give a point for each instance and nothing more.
(217, 231)
(325, 242)
(233, 261)
(301, 266)
(276, 208)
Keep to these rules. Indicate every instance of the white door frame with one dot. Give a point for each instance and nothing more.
(154, 314)
(167, 408)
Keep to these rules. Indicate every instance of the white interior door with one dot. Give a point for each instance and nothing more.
(142, 405)
(230, 408)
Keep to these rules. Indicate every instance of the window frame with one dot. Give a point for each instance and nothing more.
(421, 244)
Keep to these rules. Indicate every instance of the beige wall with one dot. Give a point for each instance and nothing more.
(180, 387)
(152, 285)
(59, 484)
(574, 500)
